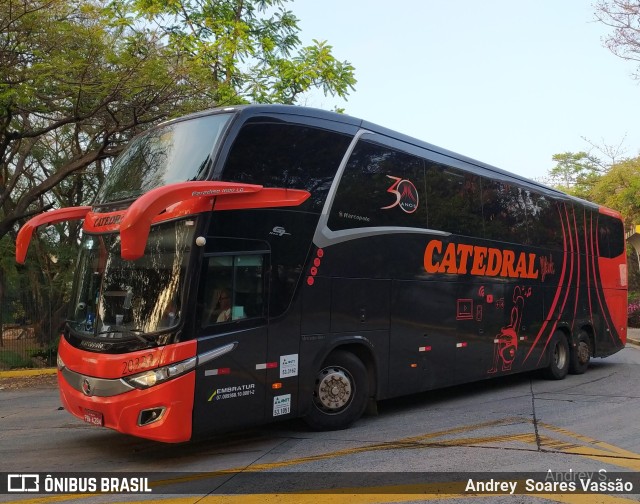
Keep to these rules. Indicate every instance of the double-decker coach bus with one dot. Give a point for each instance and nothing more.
(258, 263)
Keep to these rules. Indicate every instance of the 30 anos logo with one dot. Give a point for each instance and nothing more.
(406, 195)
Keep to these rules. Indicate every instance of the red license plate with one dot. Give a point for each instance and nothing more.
(93, 417)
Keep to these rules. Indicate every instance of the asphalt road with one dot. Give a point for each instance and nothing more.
(521, 424)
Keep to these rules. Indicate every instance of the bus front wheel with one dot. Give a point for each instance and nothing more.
(559, 358)
(340, 392)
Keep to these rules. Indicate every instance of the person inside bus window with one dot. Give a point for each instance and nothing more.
(223, 306)
(170, 315)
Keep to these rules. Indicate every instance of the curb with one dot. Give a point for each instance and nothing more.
(18, 373)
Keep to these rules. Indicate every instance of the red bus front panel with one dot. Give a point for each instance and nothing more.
(92, 389)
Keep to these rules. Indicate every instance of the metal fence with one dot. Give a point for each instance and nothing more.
(27, 341)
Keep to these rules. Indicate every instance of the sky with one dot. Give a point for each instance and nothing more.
(506, 82)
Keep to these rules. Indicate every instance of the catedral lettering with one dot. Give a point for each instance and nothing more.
(107, 221)
(189, 314)
(462, 259)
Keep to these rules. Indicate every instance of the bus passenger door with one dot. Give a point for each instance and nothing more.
(232, 343)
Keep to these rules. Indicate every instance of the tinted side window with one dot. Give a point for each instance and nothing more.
(379, 187)
(233, 289)
(543, 218)
(454, 198)
(289, 156)
(504, 211)
(610, 236)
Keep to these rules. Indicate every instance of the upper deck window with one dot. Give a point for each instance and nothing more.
(380, 186)
(176, 152)
(292, 156)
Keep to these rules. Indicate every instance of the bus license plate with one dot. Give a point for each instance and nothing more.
(93, 417)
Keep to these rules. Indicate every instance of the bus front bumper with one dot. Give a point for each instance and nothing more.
(162, 412)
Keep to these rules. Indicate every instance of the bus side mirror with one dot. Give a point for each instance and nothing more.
(50, 217)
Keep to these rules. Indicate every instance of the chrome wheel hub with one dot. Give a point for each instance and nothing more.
(334, 389)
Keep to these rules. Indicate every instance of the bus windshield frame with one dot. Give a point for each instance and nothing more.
(120, 299)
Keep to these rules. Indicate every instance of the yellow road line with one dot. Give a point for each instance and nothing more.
(594, 449)
(358, 498)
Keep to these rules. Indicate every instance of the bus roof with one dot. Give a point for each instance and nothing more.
(246, 111)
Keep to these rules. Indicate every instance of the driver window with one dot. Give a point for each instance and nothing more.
(233, 289)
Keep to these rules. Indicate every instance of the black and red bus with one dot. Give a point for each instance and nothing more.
(257, 263)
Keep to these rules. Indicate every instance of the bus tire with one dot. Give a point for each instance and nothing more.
(580, 354)
(340, 392)
(559, 357)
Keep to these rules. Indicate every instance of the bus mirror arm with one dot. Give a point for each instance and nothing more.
(51, 217)
(136, 223)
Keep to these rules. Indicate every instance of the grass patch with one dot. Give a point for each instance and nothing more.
(11, 360)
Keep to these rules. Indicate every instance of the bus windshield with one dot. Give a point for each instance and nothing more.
(176, 152)
(115, 298)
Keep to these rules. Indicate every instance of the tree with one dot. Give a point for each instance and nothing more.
(575, 172)
(623, 16)
(619, 189)
(74, 86)
(79, 78)
(249, 50)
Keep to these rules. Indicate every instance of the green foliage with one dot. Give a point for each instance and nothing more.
(616, 186)
(248, 51)
(619, 188)
(47, 355)
(80, 78)
(12, 360)
(574, 173)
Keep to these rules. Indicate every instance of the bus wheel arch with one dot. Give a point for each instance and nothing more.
(340, 391)
(559, 356)
(581, 351)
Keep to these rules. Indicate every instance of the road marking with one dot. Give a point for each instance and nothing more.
(573, 443)
(356, 498)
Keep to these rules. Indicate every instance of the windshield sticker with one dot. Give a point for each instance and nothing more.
(282, 405)
(288, 365)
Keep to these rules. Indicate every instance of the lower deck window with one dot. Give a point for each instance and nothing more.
(233, 288)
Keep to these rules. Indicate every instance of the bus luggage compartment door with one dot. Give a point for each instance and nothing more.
(230, 388)
(423, 336)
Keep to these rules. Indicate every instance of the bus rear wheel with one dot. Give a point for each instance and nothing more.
(580, 354)
(559, 361)
(340, 392)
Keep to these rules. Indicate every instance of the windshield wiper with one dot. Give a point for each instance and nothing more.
(76, 325)
(137, 333)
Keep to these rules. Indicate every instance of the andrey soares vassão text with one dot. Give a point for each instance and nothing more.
(578, 482)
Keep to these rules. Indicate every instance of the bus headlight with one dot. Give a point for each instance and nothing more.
(160, 375)
(60, 363)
